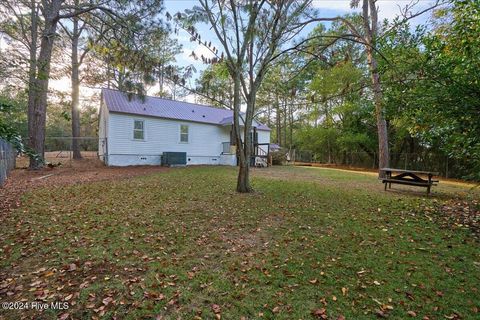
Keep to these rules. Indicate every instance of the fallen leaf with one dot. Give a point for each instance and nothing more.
(107, 301)
(216, 309)
(319, 313)
(313, 281)
(380, 314)
(64, 316)
(39, 270)
(99, 309)
(412, 313)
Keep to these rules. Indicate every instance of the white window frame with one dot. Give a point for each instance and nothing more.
(138, 130)
(180, 133)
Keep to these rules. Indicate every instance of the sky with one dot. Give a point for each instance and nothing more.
(388, 9)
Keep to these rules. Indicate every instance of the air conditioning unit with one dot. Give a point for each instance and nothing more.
(174, 159)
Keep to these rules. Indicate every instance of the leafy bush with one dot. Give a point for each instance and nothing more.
(278, 157)
(8, 128)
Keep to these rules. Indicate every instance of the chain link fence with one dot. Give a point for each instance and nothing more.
(427, 161)
(7, 159)
(62, 147)
(59, 150)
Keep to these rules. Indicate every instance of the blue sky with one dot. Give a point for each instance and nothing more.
(328, 8)
(388, 9)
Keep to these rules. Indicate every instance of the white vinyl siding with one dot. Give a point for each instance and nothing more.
(263, 136)
(163, 135)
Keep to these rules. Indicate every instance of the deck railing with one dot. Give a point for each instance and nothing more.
(258, 150)
(262, 149)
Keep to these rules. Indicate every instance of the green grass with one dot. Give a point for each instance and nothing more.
(174, 244)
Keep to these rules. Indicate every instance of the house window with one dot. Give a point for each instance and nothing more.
(138, 130)
(184, 133)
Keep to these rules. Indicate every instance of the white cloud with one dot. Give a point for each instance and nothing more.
(388, 9)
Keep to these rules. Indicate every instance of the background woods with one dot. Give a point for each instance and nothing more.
(348, 90)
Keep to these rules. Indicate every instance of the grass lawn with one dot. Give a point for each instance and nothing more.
(309, 243)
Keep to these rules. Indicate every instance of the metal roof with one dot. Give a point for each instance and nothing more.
(117, 101)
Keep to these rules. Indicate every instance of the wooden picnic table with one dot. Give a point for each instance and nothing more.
(408, 177)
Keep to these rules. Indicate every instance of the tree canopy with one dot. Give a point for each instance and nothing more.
(354, 86)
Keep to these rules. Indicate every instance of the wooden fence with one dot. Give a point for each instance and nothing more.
(7, 160)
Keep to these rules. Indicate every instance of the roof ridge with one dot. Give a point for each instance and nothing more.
(169, 99)
(117, 101)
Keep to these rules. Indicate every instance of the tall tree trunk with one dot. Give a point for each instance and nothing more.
(161, 79)
(329, 151)
(254, 85)
(269, 113)
(75, 91)
(383, 150)
(370, 25)
(32, 74)
(290, 112)
(37, 115)
(285, 103)
(244, 172)
(278, 121)
(243, 180)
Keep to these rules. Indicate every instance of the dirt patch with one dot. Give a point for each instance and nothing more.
(65, 158)
(335, 166)
(79, 171)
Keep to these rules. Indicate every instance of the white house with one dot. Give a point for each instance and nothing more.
(138, 132)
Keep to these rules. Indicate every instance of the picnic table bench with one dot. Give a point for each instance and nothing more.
(408, 177)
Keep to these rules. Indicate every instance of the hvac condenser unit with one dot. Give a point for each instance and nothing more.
(174, 159)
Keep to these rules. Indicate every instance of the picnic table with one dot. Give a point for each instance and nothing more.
(408, 177)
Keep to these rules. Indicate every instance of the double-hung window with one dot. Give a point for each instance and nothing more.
(183, 133)
(138, 130)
